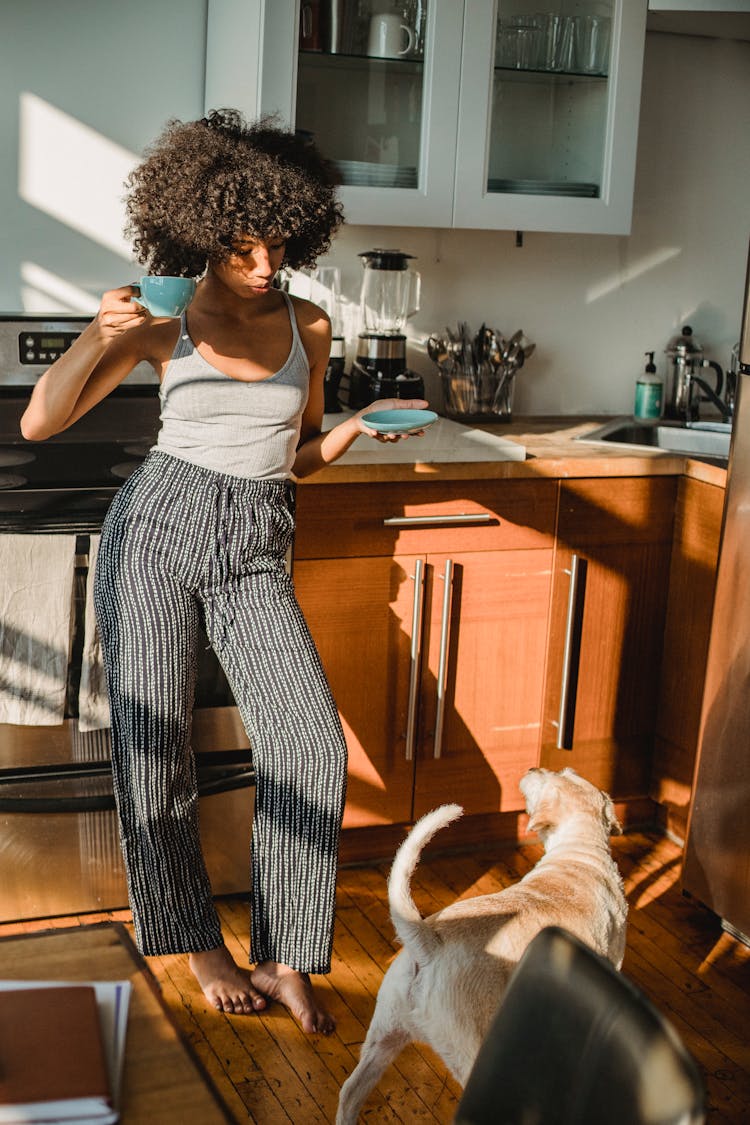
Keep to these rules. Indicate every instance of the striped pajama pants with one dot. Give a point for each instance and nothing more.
(183, 546)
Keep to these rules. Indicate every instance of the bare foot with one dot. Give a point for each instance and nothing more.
(225, 985)
(294, 991)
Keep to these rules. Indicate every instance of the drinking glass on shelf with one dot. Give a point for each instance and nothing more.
(519, 42)
(592, 47)
(566, 57)
(551, 28)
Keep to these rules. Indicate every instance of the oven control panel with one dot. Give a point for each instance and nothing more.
(43, 347)
(29, 343)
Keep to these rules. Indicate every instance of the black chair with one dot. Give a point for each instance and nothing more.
(575, 1043)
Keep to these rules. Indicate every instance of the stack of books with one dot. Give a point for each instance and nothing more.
(62, 1048)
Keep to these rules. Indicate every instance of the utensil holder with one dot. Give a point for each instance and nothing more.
(478, 396)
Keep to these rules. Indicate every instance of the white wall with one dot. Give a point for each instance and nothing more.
(84, 85)
(102, 77)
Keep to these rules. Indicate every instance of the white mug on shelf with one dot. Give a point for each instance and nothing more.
(389, 38)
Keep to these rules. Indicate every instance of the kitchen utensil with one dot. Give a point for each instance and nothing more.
(399, 421)
(478, 369)
(437, 349)
(685, 360)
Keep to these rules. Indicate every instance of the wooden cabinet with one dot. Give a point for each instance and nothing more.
(429, 608)
(692, 580)
(613, 543)
(448, 130)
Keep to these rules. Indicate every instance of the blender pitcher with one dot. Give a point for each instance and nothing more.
(390, 292)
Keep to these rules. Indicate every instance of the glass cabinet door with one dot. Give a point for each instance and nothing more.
(548, 116)
(360, 88)
(375, 84)
(552, 86)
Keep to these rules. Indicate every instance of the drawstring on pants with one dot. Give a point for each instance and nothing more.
(224, 500)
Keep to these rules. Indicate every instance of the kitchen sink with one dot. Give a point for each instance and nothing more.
(705, 441)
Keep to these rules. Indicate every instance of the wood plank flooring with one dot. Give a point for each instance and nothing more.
(269, 1072)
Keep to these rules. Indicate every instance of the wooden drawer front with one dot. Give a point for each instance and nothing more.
(617, 510)
(350, 519)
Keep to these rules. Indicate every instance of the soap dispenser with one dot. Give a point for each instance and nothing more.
(649, 393)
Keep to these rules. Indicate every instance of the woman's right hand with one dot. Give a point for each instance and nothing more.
(84, 374)
(119, 313)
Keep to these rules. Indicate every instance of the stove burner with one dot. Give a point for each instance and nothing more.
(137, 450)
(10, 456)
(124, 469)
(12, 480)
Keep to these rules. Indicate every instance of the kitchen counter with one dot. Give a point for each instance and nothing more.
(525, 447)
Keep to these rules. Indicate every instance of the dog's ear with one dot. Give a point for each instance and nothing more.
(610, 817)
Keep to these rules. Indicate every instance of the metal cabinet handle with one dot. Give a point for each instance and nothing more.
(415, 657)
(457, 518)
(571, 653)
(442, 675)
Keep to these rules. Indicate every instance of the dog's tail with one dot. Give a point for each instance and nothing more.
(407, 920)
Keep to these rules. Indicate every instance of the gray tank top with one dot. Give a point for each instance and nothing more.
(220, 423)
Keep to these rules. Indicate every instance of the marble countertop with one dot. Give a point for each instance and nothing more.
(525, 447)
(443, 441)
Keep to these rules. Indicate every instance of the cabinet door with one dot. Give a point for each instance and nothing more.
(692, 581)
(484, 653)
(379, 96)
(360, 612)
(548, 117)
(605, 645)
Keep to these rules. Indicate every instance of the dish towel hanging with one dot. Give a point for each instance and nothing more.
(36, 611)
(93, 700)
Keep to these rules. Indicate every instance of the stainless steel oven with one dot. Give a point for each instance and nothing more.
(59, 851)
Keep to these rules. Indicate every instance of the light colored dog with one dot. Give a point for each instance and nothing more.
(445, 985)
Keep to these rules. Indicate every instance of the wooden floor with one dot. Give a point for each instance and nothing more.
(269, 1072)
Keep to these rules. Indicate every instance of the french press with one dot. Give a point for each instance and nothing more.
(685, 359)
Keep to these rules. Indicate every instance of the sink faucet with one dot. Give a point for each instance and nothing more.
(725, 408)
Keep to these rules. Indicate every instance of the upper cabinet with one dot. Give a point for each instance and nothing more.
(488, 114)
(714, 19)
(548, 115)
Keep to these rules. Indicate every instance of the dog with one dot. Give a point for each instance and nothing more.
(445, 985)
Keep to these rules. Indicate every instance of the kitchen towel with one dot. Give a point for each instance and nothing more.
(93, 701)
(36, 609)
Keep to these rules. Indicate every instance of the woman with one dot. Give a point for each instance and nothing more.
(198, 536)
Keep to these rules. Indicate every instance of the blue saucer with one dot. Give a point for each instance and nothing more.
(399, 421)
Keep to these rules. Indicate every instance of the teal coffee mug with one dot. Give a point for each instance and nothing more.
(165, 296)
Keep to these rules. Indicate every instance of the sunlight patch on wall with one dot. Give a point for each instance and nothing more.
(73, 173)
(43, 291)
(632, 273)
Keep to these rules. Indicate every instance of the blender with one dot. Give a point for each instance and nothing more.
(389, 296)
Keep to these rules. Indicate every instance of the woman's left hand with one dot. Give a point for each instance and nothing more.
(390, 404)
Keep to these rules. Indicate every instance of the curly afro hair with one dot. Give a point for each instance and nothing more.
(203, 185)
